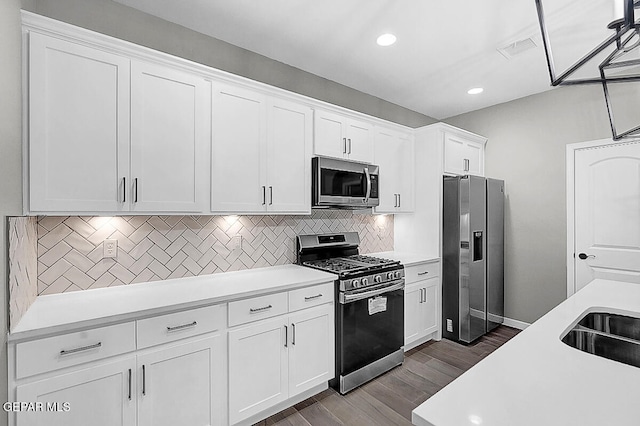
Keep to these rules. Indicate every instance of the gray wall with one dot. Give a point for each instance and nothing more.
(527, 148)
(117, 20)
(10, 157)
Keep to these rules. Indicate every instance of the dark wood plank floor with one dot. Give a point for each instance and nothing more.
(390, 398)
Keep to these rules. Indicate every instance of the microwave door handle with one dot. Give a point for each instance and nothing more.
(368, 194)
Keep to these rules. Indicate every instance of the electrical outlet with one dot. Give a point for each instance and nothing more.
(110, 248)
(236, 242)
(449, 325)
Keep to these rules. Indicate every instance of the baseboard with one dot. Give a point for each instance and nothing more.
(515, 323)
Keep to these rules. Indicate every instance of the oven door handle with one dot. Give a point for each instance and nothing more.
(368, 194)
(349, 298)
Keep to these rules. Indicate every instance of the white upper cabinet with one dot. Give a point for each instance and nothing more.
(339, 136)
(238, 150)
(169, 139)
(290, 132)
(261, 153)
(394, 153)
(463, 152)
(78, 127)
(107, 134)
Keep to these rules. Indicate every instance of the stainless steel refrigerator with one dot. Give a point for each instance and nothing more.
(473, 256)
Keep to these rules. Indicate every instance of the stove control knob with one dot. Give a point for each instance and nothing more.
(377, 279)
(389, 275)
(365, 282)
(355, 283)
(396, 274)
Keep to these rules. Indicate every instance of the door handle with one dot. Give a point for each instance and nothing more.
(144, 381)
(399, 200)
(135, 191)
(271, 195)
(286, 336)
(349, 145)
(585, 256)
(124, 189)
(264, 195)
(466, 164)
(344, 145)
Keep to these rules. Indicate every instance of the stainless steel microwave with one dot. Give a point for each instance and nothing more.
(344, 184)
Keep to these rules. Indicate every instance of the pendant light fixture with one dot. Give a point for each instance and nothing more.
(614, 62)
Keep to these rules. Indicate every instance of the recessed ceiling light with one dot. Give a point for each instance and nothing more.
(386, 39)
(475, 90)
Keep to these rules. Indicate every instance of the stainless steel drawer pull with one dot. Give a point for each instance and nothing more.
(144, 380)
(423, 273)
(81, 349)
(312, 297)
(180, 327)
(264, 308)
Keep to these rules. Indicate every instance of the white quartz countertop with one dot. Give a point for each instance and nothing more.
(535, 379)
(90, 308)
(407, 259)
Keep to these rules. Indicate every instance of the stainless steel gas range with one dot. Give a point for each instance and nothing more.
(369, 306)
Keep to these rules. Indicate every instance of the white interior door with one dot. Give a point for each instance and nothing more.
(607, 213)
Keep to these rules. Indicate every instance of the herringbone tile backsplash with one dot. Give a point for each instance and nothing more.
(70, 249)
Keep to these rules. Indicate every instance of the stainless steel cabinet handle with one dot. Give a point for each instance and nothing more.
(399, 200)
(286, 336)
(180, 327)
(349, 145)
(293, 334)
(270, 195)
(129, 384)
(466, 164)
(144, 381)
(312, 297)
(264, 308)
(395, 200)
(344, 145)
(421, 295)
(135, 190)
(264, 195)
(423, 273)
(80, 349)
(124, 189)
(425, 295)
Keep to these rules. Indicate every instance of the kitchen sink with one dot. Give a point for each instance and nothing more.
(612, 336)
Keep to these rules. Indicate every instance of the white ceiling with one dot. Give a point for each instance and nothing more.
(444, 47)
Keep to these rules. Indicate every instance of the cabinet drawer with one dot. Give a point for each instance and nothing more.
(310, 296)
(257, 308)
(52, 353)
(179, 325)
(421, 271)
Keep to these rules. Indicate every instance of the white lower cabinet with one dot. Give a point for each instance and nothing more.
(101, 395)
(179, 385)
(421, 304)
(275, 359)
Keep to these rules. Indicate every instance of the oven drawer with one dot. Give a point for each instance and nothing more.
(310, 296)
(179, 325)
(52, 353)
(421, 271)
(257, 308)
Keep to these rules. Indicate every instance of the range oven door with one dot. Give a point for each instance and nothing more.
(370, 327)
(339, 183)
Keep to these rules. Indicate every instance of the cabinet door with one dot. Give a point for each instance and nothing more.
(238, 155)
(330, 138)
(311, 348)
(105, 394)
(474, 153)
(78, 127)
(169, 139)
(406, 175)
(388, 150)
(454, 155)
(360, 141)
(289, 157)
(413, 296)
(258, 375)
(181, 384)
(430, 306)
